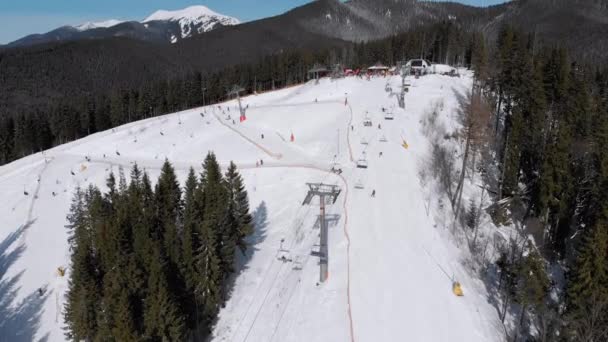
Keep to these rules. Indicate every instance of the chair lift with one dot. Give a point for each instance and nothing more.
(364, 141)
(362, 162)
(383, 138)
(367, 122)
(359, 184)
(283, 255)
(389, 115)
(297, 264)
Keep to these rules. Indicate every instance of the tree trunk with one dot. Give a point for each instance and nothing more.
(498, 109)
(460, 186)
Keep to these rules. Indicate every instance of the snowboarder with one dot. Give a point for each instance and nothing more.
(374, 193)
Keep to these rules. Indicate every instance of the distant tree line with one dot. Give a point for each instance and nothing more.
(152, 263)
(548, 170)
(45, 122)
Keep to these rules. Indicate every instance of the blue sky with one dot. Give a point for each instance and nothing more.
(22, 17)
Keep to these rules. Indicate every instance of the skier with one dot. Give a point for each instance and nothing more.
(352, 127)
(233, 122)
(261, 162)
(262, 136)
(379, 126)
(380, 154)
(257, 163)
(374, 193)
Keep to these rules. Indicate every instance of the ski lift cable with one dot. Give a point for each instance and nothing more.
(272, 262)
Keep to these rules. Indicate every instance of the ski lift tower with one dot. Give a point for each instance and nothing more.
(326, 193)
(236, 91)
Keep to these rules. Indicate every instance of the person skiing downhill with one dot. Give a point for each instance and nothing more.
(374, 193)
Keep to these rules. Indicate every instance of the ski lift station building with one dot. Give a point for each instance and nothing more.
(378, 69)
(317, 72)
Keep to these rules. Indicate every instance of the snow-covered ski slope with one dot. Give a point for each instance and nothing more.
(390, 265)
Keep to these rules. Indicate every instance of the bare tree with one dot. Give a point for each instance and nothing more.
(474, 114)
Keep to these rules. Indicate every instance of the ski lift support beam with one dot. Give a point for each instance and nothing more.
(326, 192)
(236, 91)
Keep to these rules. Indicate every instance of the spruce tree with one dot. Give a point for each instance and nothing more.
(168, 201)
(163, 319)
(83, 292)
(238, 208)
(191, 245)
(588, 287)
(213, 198)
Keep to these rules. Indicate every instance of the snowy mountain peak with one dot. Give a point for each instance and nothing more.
(101, 24)
(194, 18)
(192, 13)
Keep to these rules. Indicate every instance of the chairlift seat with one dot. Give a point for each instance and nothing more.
(362, 164)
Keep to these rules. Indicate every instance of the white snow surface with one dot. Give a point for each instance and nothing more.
(100, 24)
(391, 264)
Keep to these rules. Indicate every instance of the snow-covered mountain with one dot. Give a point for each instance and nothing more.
(193, 19)
(162, 26)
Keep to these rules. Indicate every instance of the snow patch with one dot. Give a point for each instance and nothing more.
(100, 24)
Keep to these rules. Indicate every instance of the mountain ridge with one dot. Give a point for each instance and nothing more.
(162, 26)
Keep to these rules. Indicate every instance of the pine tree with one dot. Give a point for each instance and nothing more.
(168, 200)
(163, 320)
(208, 289)
(588, 288)
(83, 293)
(238, 207)
(533, 284)
(191, 245)
(213, 198)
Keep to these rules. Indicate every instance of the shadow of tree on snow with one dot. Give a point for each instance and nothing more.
(19, 321)
(260, 223)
